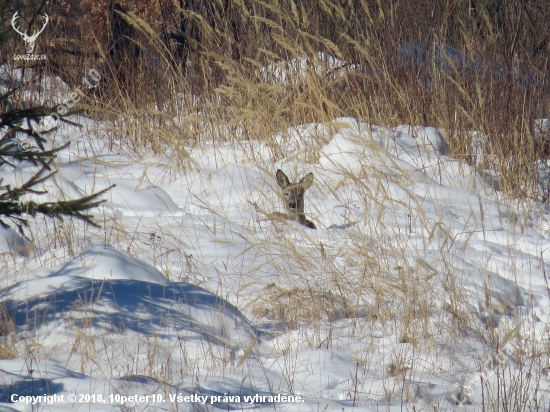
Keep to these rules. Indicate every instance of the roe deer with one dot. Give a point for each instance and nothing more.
(293, 196)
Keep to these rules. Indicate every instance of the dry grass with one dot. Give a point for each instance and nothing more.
(7, 333)
(174, 75)
(240, 70)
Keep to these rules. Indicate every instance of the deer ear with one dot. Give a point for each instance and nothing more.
(307, 180)
(282, 179)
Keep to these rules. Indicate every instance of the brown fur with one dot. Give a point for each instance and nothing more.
(293, 197)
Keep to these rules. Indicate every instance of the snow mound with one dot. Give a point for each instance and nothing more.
(104, 288)
(140, 201)
(12, 242)
(105, 262)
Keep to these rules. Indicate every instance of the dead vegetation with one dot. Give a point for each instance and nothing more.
(180, 72)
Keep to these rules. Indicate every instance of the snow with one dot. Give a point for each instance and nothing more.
(298, 69)
(419, 276)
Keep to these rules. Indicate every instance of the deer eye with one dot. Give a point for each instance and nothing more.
(287, 194)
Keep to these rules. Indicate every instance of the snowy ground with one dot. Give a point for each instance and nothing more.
(421, 289)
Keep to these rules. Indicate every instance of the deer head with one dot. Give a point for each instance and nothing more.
(293, 197)
(30, 40)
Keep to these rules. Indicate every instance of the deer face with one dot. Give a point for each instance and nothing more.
(293, 193)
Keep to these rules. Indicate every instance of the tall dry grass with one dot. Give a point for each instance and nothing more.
(178, 72)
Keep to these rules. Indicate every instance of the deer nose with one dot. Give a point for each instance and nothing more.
(292, 205)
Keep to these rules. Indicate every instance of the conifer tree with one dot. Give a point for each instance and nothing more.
(21, 141)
